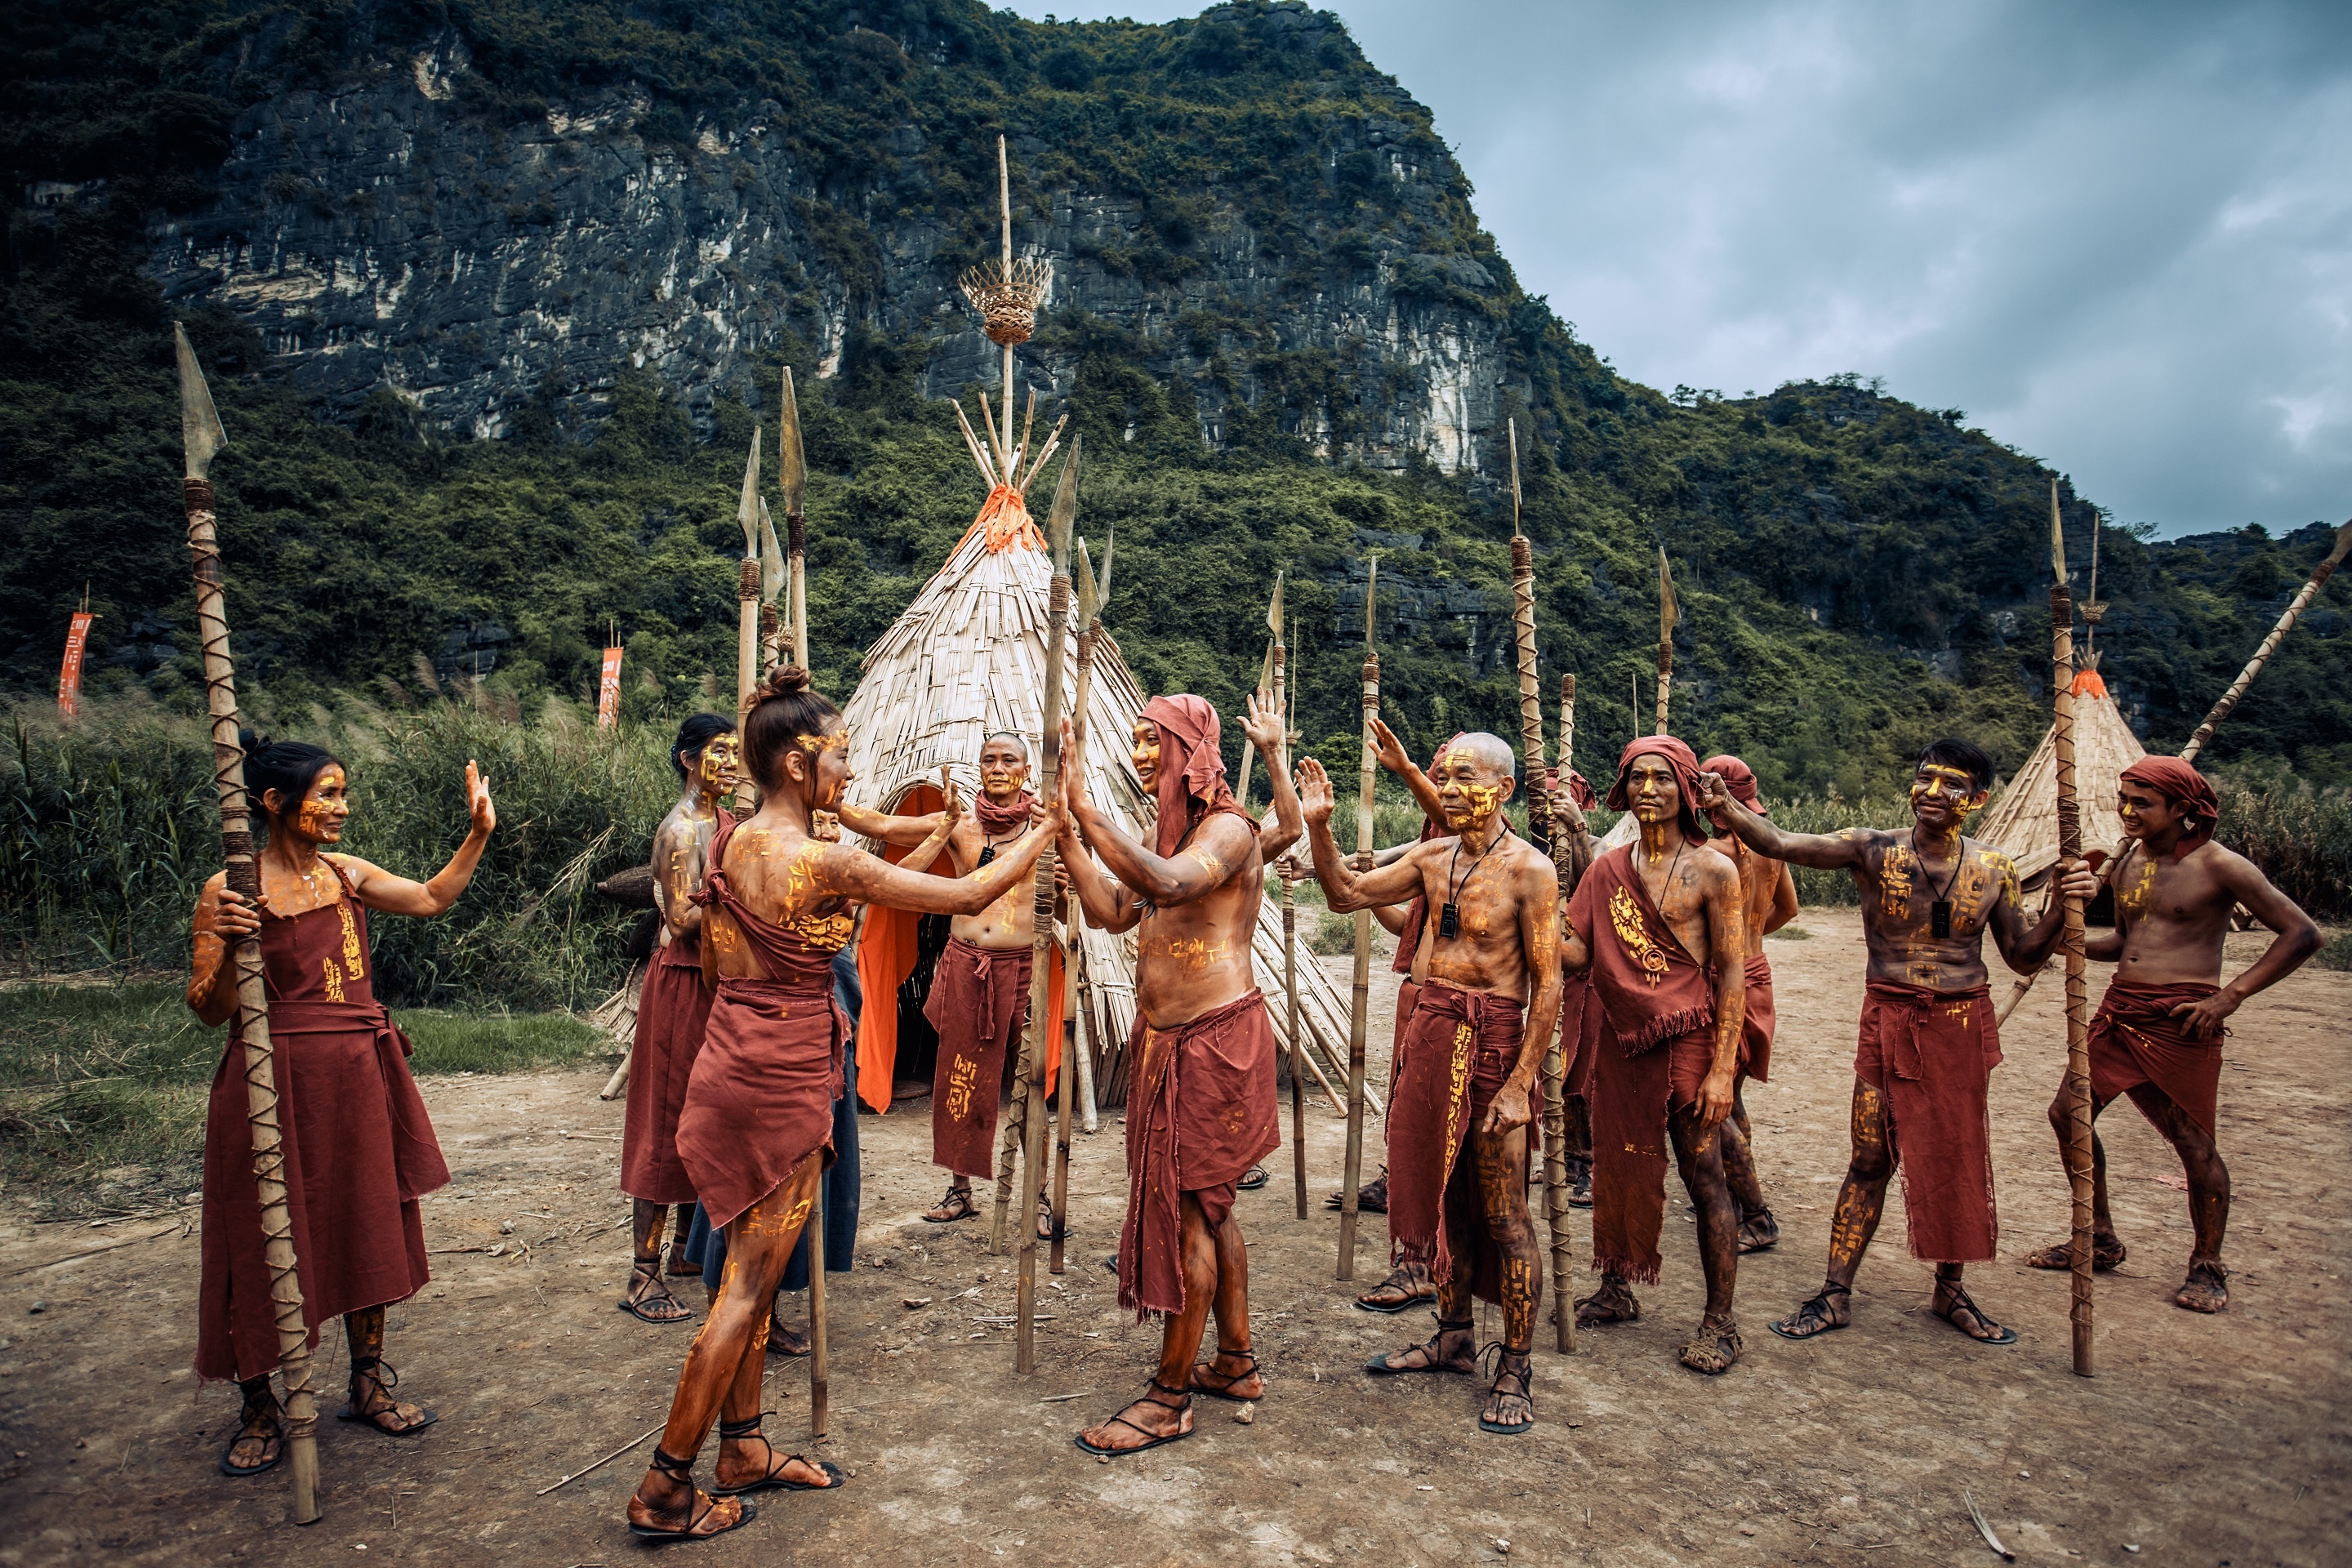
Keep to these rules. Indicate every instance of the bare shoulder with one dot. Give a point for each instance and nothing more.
(1991, 857)
(352, 866)
(211, 891)
(1527, 860)
(1716, 873)
(2233, 871)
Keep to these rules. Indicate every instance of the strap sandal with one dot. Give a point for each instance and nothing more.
(2207, 1289)
(956, 1205)
(703, 1506)
(1812, 1318)
(646, 1307)
(1223, 1390)
(1403, 1279)
(1253, 1178)
(1045, 1220)
(385, 1378)
(1523, 1373)
(1717, 1350)
(273, 1441)
(1381, 1366)
(1960, 1303)
(2107, 1254)
(775, 1479)
(1155, 1439)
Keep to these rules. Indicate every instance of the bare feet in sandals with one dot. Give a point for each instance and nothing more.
(649, 1300)
(1149, 1422)
(1716, 1349)
(2106, 1253)
(372, 1402)
(260, 1440)
(1952, 1305)
(1832, 1308)
(956, 1205)
(669, 1506)
(1447, 1350)
(1229, 1374)
(748, 1462)
(1614, 1303)
(2207, 1289)
(1510, 1408)
(1759, 1231)
(1408, 1285)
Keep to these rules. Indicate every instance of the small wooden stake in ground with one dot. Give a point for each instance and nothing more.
(2070, 849)
(1669, 613)
(820, 1355)
(202, 437)
(1360, 1000)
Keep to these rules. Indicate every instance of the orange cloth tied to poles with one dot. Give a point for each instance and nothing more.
(69, 672)
(1006, 518)
(608, 690)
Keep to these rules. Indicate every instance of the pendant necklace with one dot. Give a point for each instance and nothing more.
(1939, 912)
(1449, 918)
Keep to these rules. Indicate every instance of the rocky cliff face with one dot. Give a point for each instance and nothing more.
(388, 233)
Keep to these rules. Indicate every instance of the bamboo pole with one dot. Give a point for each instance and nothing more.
(1034, 1044)
(1281, 871)
(820, 1353)
(1004, 210)
(747, 584)
(202, 437)
(2221, 710)
(1558, 1215)
(1360, 996)
(2070, 849)
(1072, 956)
(1669, 613)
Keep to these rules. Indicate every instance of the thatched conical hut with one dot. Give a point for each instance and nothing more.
(2023, 817)
(968, 658)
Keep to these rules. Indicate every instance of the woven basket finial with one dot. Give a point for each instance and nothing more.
(1007, 297)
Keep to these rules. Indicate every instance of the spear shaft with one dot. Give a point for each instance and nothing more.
(1556, 1212)
(2220, 710)
(2070, 849)
(1359, 998)
(202, 436)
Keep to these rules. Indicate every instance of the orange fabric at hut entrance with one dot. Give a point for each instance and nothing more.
(886, 956)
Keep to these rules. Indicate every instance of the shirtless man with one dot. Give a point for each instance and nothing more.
(1201, 1108)
(980, 991)
(1929, 1041)
(1654, 920)
(2157, 1035)
(1488, 970)
(1769, 895)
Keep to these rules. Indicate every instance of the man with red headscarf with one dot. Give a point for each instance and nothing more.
(2157, 1035)
(1930, 1040)
(1201, 1103)
(1768, 894)
(1659, 924)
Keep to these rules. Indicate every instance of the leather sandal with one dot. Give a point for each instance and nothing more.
(1158, 1439)
(698, 1508)
(741, 1431)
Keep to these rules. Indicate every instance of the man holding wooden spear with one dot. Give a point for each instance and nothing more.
(1930, 1040)
(2157, 1035)
(1467, 1067)
(1202, 1107)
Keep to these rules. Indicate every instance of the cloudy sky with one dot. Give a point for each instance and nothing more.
(2118, 235)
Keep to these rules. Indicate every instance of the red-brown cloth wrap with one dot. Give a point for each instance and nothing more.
(1192, 773)
(2135, 1040)
(2188, 789)
(673, 1009)
(980, 1006)
(360, 1149)
(1650, 993)
(1930, 1054)
(1457, 1050)
(1584, 1030)
(759, 1100)
(1677, 756)
(1757, 1023)
(1199, 1112)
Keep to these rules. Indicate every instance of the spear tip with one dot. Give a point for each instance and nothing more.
(201, 435)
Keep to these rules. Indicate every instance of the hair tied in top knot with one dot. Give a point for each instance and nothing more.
(786, 680)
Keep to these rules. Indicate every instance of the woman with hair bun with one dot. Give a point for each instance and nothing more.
(779, 901)
(360, 1149)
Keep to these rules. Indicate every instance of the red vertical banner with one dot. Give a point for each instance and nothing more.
(608, 690)
(70, 673)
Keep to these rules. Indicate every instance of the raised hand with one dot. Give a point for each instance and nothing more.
(1712, 795)
(1567, 813)
(1316, 798)
(479, 805)
(1074, 775)
(1263, 725)
(1389, 749)
(951, 797)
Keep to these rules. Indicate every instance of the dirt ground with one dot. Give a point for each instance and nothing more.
(2201, 1441)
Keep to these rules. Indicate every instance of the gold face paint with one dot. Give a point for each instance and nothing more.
(1146, 755)
(721, 767)
(817, 745)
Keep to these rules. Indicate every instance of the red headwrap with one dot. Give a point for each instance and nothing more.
(1579, 788)
(1192, 768)
(1685, 766)
(2185, 788)
(1739, 778)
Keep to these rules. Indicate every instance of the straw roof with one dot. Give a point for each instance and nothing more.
(2023, 817)
(968, 658)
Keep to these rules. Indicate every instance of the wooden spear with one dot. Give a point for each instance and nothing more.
(2220, 710)
(1090, 620)
(795, 481)
(1359, 1001)
(1034, 1044)
(201, 436)
(1556, 1212)
(1523, 618)
(2078, 1018)
(1281, 871)
(747, 583)
(1669, 614)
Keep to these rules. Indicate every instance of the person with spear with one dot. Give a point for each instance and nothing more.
(1928, 1038)
(1201, 1104)
(780, 901)
(317, 1145)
